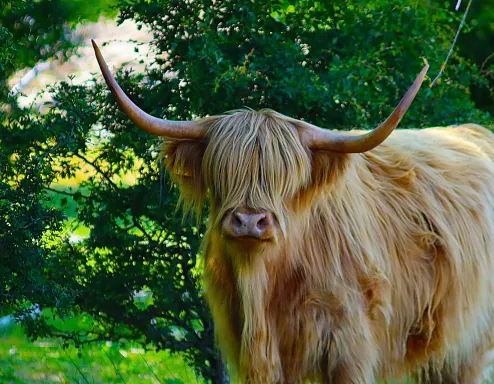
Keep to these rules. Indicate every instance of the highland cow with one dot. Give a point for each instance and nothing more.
(340, 257)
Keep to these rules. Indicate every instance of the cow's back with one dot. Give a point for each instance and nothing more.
(442, 184)
(414, 217)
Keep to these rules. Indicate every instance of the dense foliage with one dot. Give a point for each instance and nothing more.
(334, 64)
(24, 220)
(477, 44)
(137, 275)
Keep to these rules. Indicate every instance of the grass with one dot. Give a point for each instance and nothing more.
(45, 361)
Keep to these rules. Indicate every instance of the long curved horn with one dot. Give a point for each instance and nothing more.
(148, 123)
(318, 138)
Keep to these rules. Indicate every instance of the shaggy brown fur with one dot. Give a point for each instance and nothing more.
(383, 264)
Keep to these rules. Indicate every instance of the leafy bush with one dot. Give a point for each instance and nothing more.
(137, 275)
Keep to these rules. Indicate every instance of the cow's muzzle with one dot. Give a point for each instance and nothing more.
(244, 223)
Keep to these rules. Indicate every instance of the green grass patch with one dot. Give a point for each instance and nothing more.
(45, 361)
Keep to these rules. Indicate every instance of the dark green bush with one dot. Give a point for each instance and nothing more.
(476, 43)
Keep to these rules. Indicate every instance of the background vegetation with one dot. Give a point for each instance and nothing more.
(135, 278)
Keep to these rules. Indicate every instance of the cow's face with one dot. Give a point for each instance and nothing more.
(255, 171)
(253, 167)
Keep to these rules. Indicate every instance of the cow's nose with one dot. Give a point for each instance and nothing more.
(242, 223)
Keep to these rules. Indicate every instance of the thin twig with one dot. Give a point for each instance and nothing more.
(47, 153)
(138, 225)
(151, 368)
(98, 169)
(59, 191)
(114, 366)
(443, 67)
(485, 62)
(76, 367)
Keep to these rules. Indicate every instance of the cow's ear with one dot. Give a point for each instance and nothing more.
(327, 168)
(183, 161)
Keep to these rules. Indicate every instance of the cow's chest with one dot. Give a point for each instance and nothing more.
(301, 323)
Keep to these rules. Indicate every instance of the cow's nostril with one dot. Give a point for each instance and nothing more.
(236, 222)
(261, 224)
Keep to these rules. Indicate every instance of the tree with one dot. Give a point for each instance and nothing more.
(30, 32)
(24, 217)
(333, 64)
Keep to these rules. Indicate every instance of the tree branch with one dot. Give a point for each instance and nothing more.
(60, 192)
(98, 169)
(485, 62)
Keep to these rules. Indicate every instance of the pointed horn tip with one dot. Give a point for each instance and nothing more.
(95, 48)
(424, 70)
